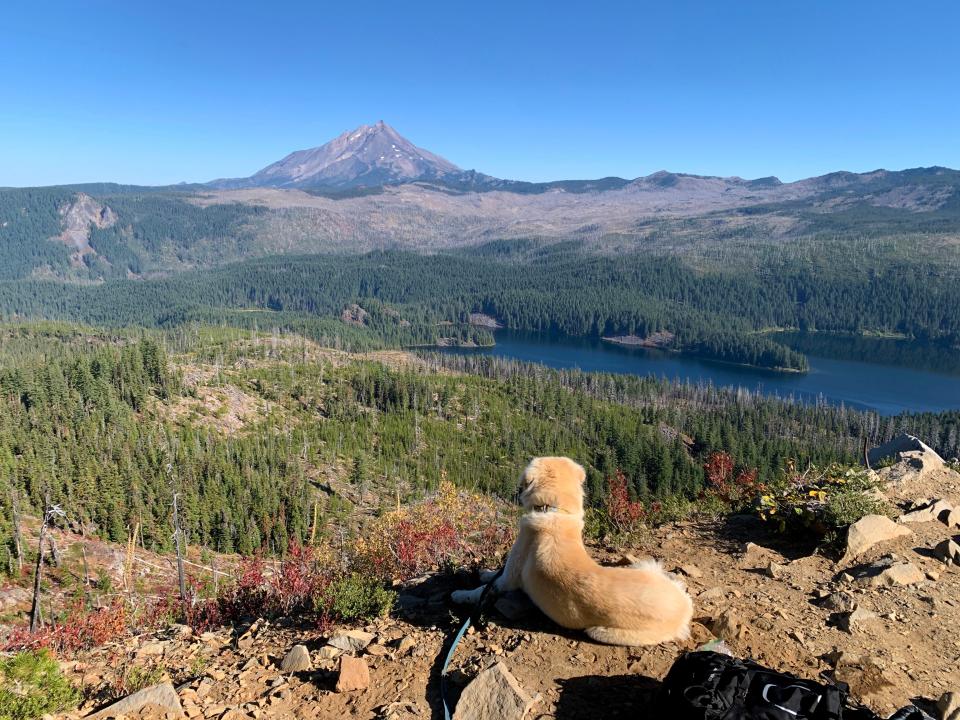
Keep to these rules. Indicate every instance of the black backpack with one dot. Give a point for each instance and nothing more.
(710, 686)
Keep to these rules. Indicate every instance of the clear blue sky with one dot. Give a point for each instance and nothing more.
(161, 92)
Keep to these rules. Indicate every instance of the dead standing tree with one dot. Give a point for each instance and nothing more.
(178, 535)
(17, 540)
(50, 514)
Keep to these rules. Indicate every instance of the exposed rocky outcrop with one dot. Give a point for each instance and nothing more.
(355, 315)
(160, 698)
(77, 219)
(910, 458)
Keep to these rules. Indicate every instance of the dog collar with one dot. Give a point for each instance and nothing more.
(546, 509)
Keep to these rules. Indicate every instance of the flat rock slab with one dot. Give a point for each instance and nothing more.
(351, 640)
(495, 694)
(158, 696)
(939, 510)
(328, 652)
(869, 531)
(899, 574)
(354, 674)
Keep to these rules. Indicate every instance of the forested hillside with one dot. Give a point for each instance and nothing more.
(709, 265)
(264, 435)
(411, 299)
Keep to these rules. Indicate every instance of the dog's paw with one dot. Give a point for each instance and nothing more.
(464, 597)
(488, 575)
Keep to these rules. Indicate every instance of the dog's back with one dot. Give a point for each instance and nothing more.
(644, 601)
(641, 605)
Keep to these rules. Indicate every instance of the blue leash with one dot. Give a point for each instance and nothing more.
(472, 619)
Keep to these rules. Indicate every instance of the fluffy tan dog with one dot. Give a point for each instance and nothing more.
(638, 605)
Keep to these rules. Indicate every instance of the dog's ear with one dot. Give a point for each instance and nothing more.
(577, 468)
(534, 472)
(582, 473)
(529, 474)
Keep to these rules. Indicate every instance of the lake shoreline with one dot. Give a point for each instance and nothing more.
(884, 389)
(661, 341)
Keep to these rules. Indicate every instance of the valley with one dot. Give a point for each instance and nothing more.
(317, 384)
(710, 263)
(333, 499)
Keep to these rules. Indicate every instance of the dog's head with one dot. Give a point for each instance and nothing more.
(553, 482)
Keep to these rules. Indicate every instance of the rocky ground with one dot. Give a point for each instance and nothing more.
(883, 618)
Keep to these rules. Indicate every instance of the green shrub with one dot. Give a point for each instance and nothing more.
(709, 505)
(594, 524)
(824, 501)
(677, 508)
(358, 597)
(32, 685)
(138, 678)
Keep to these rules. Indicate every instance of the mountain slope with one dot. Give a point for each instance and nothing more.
(369, 156)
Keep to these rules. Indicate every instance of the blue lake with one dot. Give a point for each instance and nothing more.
(886, 388)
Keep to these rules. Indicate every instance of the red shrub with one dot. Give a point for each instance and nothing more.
(302, 577)
(81, 630)
(453, 528)
(719, 469)
(418, 548)
(247, 597)
(623, 514)
(734, 490)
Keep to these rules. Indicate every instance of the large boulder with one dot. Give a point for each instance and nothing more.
(948, 706)
(869, 531)
(495, 694)
(908, 460)
(952, 518)
(903, 447)
(162, 696)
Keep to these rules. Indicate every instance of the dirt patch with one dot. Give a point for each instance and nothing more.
(225, 408)
(395, 359)
(787, 622)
